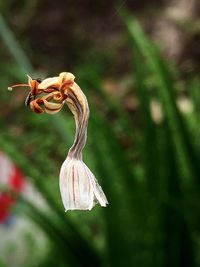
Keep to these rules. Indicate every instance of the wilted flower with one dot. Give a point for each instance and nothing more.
(78, 186)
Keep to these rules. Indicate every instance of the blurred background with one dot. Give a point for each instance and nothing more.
(138, 64)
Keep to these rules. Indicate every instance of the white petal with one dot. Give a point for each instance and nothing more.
(78, 186)
(98, 192)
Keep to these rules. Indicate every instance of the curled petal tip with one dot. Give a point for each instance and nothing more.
(52, 108)
(10, 88)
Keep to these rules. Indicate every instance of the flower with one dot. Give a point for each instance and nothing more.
(78, 185)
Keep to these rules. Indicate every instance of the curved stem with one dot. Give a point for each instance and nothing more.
(78, 105)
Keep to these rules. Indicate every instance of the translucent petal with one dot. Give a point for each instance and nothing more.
(78, 186)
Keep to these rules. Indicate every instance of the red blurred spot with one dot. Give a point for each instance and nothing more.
(7, 202)
(14, 181)
(17, 180)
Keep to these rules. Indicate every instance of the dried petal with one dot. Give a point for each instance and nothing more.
(36, 107)
(66, 76)
(49, 82)
(52, 108)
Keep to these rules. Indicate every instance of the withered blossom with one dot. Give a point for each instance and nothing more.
(78, 186)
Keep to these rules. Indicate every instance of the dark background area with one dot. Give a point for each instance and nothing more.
(138, 64)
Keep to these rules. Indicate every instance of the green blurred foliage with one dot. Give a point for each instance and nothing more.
(149, 168)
